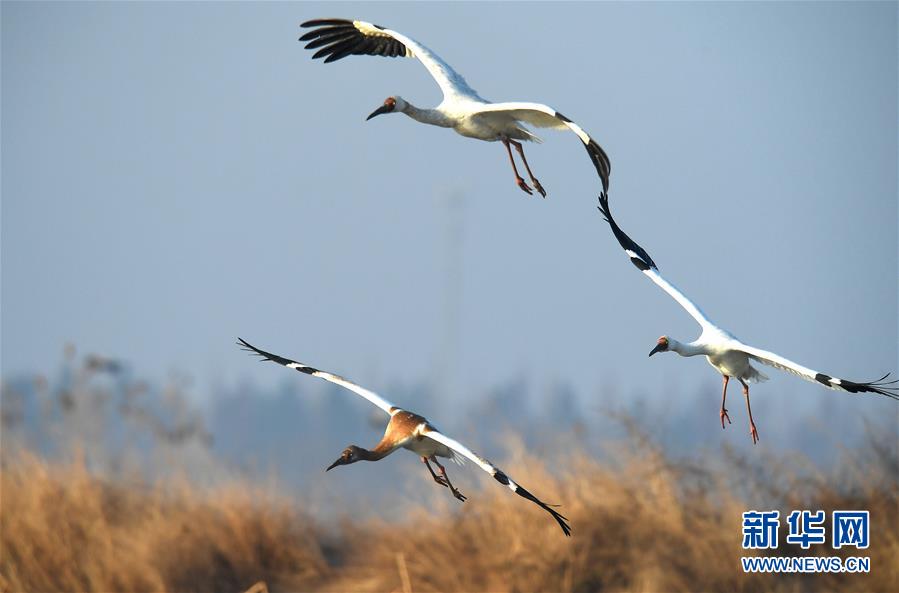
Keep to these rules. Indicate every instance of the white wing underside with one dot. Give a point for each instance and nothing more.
(691, 307)
(461, 450)
(536, 114)
(367, 394)
(330, 377)
(499, 476)
(450, 82)
(779, 362)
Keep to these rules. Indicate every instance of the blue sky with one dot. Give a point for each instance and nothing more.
(176, 175)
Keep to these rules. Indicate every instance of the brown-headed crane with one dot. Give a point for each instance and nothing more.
(410, 431)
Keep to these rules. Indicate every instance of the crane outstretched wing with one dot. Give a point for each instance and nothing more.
(497, 474)
(644, 263)
(427, 430)
(292, 364)
(338, 38)
(880, 386)
(544, 116)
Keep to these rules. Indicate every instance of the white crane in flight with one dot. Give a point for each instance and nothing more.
(462, 109)
(729, 356)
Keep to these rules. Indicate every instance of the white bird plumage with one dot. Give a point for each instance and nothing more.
(729, 356)
(462, 109)
(410, 431)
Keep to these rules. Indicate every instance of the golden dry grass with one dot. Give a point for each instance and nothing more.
(65, 530)
(644, 523)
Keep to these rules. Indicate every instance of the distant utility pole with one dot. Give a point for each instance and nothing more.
(449, 352)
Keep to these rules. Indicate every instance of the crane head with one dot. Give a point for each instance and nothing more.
(661, 345)
(351, 454)
(389, 106)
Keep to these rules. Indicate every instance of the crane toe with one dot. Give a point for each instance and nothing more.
(524, 186)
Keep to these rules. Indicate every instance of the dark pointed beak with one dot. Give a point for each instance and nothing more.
(335, 464)
(658, 348)
(378, 111)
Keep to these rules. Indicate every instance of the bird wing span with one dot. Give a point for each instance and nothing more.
(292, 364)
(880, 386)
(544, 116)
(497, 474)
(338, 38)
(644, 263)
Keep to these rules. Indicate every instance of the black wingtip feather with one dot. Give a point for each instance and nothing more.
(601, 162)
(598, 156)
(314, 42)
(560, 518)
(244, 345)
(880, 386)
(268, 356)
(643, 261)
(328, 32)
(339, 38)
(325, 22)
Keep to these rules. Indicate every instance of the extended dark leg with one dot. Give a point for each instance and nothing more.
(752, 430)
(723, 413)
(536, 183)
(437, 478)
(518, 179)
(443, 475)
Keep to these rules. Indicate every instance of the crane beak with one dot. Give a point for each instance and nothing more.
(339, 461)
(379, 111)
(658, 348)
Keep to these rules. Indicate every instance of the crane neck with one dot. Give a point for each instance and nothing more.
(434, 117)
(381, 450)
(371, 454)
(691, 349)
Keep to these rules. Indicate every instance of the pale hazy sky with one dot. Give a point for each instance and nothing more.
(175, 175)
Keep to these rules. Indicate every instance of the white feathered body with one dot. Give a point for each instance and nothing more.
(426, 447)
(474, 118)
(724, 352)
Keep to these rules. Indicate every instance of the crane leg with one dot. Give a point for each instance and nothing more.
(534, 181)
(752, 431)
(524, 186)
(723, 413)
(443, 475)
(437, 478)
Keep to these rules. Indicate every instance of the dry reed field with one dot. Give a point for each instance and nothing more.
(644, 522)
(76, 515)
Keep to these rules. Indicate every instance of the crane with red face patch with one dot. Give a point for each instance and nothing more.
(462, 109)
(730, 356)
